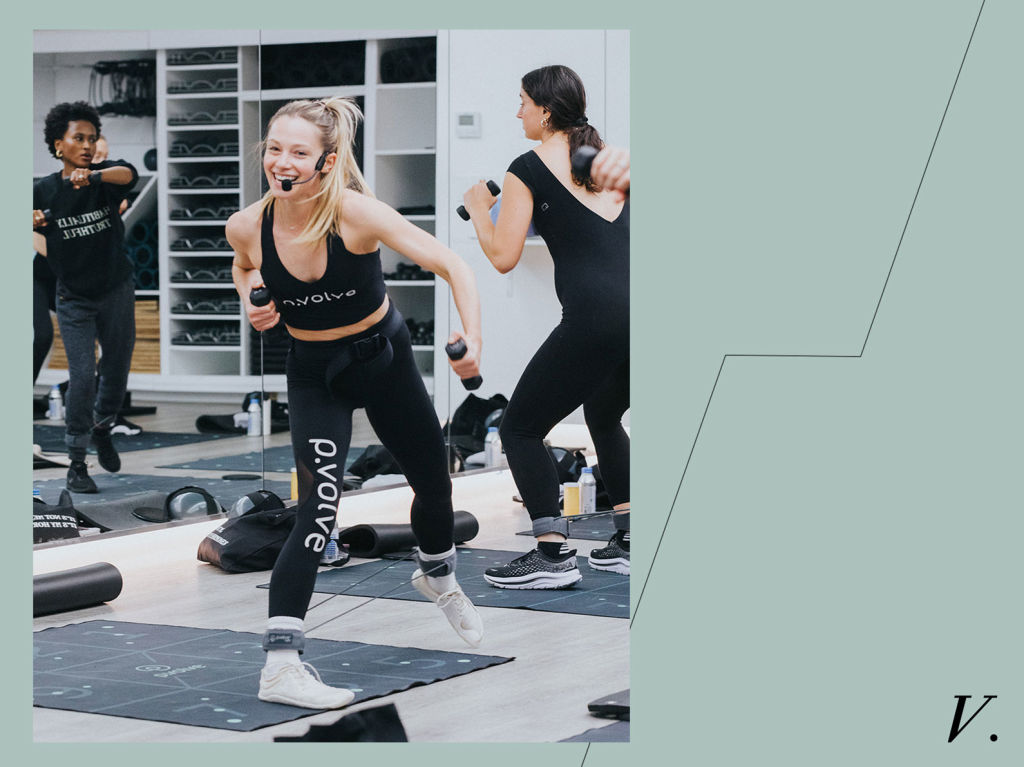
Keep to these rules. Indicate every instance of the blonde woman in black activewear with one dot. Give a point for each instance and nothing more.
(314, 241)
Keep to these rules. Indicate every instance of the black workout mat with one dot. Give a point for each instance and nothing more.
(209, 677)
(587, 527)
(51, 439)
(615, 705)
(612, 733)
(121, 487)
(279, 458)
(599, 593)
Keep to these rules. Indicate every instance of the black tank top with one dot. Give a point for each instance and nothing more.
(590, 253)
(351, 288)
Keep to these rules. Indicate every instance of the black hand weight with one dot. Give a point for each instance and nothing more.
(582, 160)
(457, 351)
(259, 296)
(464, 214)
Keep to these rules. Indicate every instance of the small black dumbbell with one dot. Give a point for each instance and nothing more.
(259, 296)
(457, 351)
(464, 214)
(582, 160)
(47, 219)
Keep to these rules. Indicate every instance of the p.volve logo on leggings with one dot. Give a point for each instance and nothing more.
(318, 298)
(326, 491)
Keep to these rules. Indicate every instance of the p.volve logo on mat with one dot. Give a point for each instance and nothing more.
(959, 725)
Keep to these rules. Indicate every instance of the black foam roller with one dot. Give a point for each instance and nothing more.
(377, 540)
(146, 279)
(74, 589)
(144, 256)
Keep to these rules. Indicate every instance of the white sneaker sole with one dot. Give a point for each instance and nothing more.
(338, 702)
(620, 566)
(536, 581)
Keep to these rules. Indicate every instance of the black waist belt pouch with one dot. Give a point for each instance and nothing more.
(372, 352)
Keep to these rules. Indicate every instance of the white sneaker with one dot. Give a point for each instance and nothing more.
(300, 685)
(456, 607)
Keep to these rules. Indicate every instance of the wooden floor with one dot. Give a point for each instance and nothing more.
(562, 662)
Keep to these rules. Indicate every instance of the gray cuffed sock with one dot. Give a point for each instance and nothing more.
(621, 521)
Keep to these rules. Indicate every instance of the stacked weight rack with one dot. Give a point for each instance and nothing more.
(200, 150)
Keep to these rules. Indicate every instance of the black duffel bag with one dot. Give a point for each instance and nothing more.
(250, 542)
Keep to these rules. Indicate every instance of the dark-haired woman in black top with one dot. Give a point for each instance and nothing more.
(585, 360)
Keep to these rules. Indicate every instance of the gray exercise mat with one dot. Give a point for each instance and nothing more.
(108, 506)
(587, 527)
(209, 677)
(50, 438)
(611, 733)
(279, 458)
(599, 593)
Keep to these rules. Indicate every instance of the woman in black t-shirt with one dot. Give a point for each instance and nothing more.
(76, 209)
(585, 359)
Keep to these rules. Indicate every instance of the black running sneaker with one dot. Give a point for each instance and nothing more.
(105, 450)
(79, 480)
(612, 557)
(535, 571)
(123, 426)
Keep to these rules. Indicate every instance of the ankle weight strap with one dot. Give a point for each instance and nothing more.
(284, 639)
(436, 568)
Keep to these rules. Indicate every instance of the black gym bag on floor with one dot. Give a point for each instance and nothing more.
(252, 541)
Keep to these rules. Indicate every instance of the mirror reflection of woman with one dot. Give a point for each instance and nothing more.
(81, 235)
(585, 359)
(314, 241)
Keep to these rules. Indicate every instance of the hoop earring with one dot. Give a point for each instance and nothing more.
(60, 154)
(544, 122)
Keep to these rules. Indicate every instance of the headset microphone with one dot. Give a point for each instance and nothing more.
(287, 183)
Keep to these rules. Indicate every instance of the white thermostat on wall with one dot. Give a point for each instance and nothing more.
(467, 125)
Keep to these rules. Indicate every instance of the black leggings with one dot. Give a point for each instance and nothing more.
(403, 417)
(576, 365)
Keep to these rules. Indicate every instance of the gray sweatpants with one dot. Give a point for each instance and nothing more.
(109, 319)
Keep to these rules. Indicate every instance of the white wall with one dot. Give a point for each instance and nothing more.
(520, 308)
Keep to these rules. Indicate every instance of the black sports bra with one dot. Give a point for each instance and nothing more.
(351, 288)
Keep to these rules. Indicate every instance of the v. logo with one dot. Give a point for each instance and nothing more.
(961, 703)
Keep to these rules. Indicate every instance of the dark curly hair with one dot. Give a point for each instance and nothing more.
(58, 118)
(560, 90)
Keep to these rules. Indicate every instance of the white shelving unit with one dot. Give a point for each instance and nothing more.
(198, 145)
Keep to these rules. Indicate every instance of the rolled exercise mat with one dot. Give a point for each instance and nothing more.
(74, 589)
(376, 540)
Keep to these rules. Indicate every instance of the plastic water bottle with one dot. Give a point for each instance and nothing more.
(330, 555)
(492, 447)
(588, 491)
(255, 418)
(55, 410)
